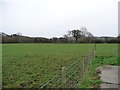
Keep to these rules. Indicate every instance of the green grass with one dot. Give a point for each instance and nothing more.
(30, 65)
(106, 54)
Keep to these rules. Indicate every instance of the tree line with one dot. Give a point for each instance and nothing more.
(73, 36)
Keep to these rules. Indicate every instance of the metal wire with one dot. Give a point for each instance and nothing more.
(73, 73)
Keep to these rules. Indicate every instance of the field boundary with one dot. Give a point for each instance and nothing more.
(72, 74)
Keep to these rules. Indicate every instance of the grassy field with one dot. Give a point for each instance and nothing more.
(106, 54)
(30, 65)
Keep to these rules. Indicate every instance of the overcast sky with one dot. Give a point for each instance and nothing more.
(53, 18)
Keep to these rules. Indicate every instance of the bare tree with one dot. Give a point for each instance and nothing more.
(18, 34)
(76, 34)
(85, 32)
(80, 34)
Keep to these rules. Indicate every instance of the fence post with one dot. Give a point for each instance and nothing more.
(63, 77)
(94, 50)
(83, 69)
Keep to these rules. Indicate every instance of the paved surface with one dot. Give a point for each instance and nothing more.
(110, 76)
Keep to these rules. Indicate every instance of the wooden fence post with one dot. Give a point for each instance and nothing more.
(94, 50)
(95, 47)
(83, 69)
(63, 77)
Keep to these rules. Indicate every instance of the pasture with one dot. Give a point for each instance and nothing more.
(30, 65)
(106, 54)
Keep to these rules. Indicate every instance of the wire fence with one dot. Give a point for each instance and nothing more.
(72, 74)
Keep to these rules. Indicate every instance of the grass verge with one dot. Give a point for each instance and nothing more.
(92, 79)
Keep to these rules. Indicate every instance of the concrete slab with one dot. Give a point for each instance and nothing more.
(105, 85)
(109, 76)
